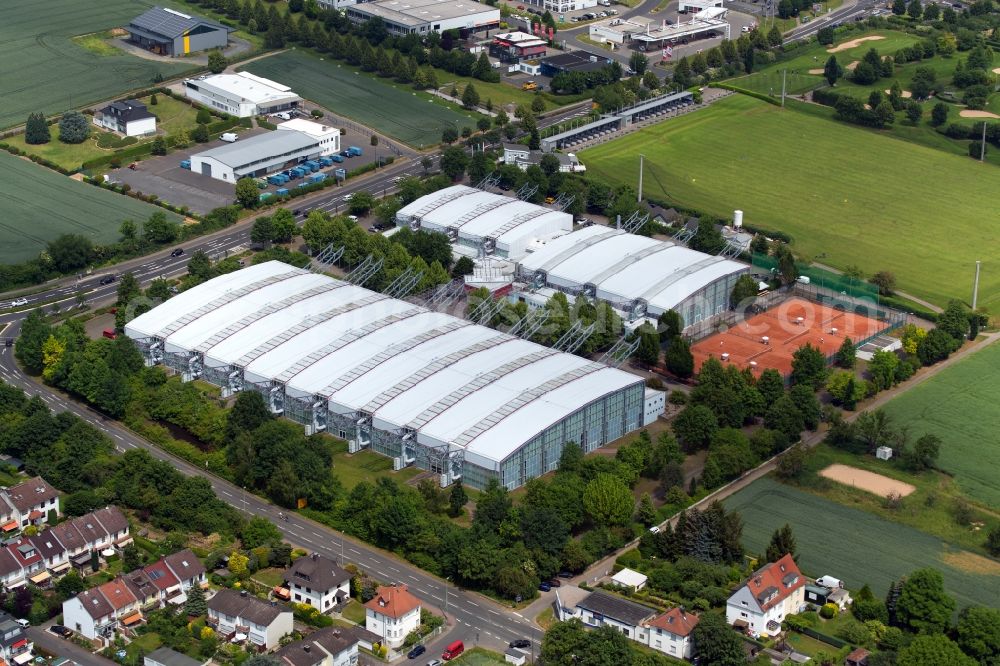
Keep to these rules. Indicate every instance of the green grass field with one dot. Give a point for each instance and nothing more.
(365, 465)
(40, 204)
(850, 194)
(43, 69)
(959, 405)
(856, 546)
(396, 110)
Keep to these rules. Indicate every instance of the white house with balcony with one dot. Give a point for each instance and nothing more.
(773, 592)
(392, 614)
(239, 616)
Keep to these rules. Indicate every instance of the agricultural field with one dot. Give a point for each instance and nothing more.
(393, 109)
(856, 546)
(172, 116)
(40, 205)
(43, 69)
(959, 405)
(849, 194)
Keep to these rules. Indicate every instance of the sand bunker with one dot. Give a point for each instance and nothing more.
(854, 42)
(969, 113)
(906, 93)
(867, 481)
(816, 71)
(850, 68)
(996, 70)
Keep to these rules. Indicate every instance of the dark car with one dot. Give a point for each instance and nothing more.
(297, 212)
(555, 583)
(544, 587)
(565, 574)
(520, 643)
(178, 252)
(416, 652)
(107, 279)
(60, 630)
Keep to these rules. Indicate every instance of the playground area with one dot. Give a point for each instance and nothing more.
(769, 338)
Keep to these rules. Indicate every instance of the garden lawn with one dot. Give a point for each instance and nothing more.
(355, 612)
(856, 546)
(43, 69)
(851, 194)
(479, 657)
(271, 577)
(365, 465)
(959, 405)
(416, 118)
(40, 204)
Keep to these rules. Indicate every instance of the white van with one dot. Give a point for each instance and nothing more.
(228, 137)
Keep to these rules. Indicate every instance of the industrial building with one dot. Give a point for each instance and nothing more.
(515, 46)
(422, 387)
(573, 61)
(168, 32)
(561, 6)
(640, 276)
(483, 223)
(402, 17)
(328, 137)
(242, 94)
(646, 35)
(257, 156)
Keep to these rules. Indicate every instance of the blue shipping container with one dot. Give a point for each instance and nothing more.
(337, 158)
(354, 150)
(317, 177)
(185, 164)
(326, 161)
(282, 192)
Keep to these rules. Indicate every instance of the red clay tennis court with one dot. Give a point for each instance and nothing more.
(768, 339)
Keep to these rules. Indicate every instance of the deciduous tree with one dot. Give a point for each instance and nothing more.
(924, 606)
(608, 500)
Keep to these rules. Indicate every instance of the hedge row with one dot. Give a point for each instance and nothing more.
(749, 93)
(829, 640)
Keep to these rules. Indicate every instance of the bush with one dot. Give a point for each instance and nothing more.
(829, 611)
(74, 127)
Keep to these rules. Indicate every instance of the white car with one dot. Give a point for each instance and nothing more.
(19, 302)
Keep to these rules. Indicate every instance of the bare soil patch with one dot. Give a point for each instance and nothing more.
(854, 42)
(970, 113)
(963, 560)
(867, 481)
(818, 70)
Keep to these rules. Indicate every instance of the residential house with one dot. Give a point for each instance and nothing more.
(522, 157)
(10, 569)
(147, 594)
(819, 595)
(15, 646)
(116, 525)
(187, 568)
(629, 579)
(319, 582)
(29, 503)
(123, 601)
(127, 117)
(77, 552)
(167, 657)
(166, 583)
(858, 657)
(602, 608)
(670, 633)
(566, 599)
(89, 614)
(51, 550)
(241, 616)
(774, 591)
(30, 562)
(392, 614)
(331, 646)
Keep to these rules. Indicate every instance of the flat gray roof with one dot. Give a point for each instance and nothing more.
(169, 657)
(259, 147)
(417, 12)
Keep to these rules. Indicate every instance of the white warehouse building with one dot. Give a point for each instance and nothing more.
(422, 387)
(641, 276)
(328, 137)
(481, 222)
(403, 17)
(257, 156)
(242, 94)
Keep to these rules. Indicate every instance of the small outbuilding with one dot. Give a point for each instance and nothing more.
(169, 32)
(883, 453)
(515, 656)
(633, 580)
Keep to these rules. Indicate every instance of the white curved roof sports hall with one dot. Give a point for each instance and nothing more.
(625, 267)
(476, 214)
(451, 381)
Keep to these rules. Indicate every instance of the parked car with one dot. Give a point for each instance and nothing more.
(177, 252)
(19, 302)
(24, 623)
(544, 587)
(555, 583)
(107, 279)
(434, 662)
(60, 630)
(416, 652)
(520, 643)
(565, 574)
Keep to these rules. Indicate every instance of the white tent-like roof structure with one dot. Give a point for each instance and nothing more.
(451, 382)
(470, 215)
(623, 267)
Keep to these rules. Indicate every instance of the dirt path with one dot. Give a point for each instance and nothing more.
(603, 567)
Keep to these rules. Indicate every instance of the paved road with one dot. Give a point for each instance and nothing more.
(52, 644)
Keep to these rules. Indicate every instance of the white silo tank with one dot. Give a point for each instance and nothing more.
(737, 219)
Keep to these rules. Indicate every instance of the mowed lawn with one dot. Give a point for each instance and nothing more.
(393, 109)
(856, 546)
(960, 406)
(40, 204)
(849, 194)
(42, 69)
